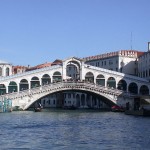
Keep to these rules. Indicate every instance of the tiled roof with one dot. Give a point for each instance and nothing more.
(47, 64)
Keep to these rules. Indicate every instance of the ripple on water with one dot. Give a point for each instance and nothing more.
(73, 130)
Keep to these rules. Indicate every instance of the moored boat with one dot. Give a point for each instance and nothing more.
(38, 109)
(117, 108)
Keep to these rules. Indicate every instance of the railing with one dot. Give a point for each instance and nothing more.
(65, 85)
(29, 72)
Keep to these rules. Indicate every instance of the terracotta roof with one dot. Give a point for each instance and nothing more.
(47, 64)
(19, 67)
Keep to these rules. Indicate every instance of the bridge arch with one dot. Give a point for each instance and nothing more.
(2, 89)
(73, 70)
(144, 90)
(111, 82)
(109, 97)
(133, 88)
(89, 77)
(57, 77)
(12, 87)
(23, 85)
(100, 80)
(122, 85)
(35, 82)
(46, 79)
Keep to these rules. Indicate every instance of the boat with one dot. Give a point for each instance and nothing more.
(37, 109)
(117, 108)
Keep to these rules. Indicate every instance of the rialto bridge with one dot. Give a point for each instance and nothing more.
(72, 75)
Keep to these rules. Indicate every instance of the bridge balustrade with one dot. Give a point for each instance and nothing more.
(29, 72)
(62, 86)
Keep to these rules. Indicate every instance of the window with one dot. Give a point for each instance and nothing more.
(54, 102)
(110, 62)
(73, 95)
(69, 95)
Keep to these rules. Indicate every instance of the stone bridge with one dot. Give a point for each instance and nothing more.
(27, 87)
(24, 99)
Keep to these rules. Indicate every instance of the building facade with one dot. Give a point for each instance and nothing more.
(18, 69)
(144, 64)
(5, 69)
(124, 61)
(69, 99)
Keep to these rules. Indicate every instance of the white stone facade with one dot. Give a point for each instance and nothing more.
(124, 61)
(5, 69)
(144, 66)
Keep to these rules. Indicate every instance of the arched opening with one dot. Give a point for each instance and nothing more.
(35, 82)
(7, 71)
(46, 79)
(73, 70)
(57, 77)
(89, 77)
(77, 100)
(144, 90)
(2, 89)
(122, 85)
(111, 82)
(1, 72)
(133, 88)
(100, 80)
(24, 85)
(12, 87)
(94, 102)
(82, 99)
(88, 99)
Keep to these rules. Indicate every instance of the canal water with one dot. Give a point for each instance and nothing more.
(73, 130)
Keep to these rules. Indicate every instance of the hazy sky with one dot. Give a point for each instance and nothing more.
(37, 31)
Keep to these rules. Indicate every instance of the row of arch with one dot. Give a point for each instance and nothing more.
(35, 82)
(57, 77)
(122, 84)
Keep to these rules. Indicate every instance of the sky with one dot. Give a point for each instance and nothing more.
(33, 32)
